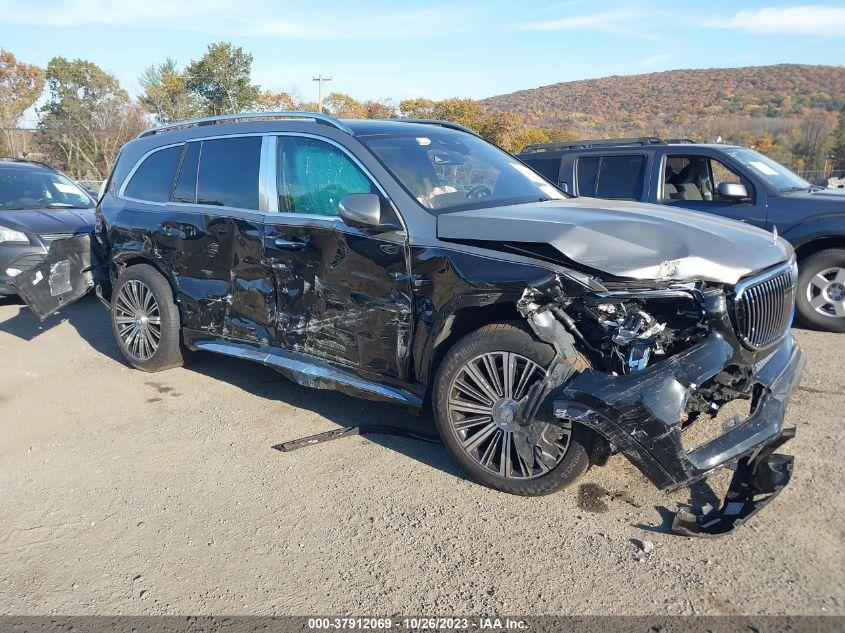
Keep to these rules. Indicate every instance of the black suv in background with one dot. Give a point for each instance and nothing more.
(734, 182)
(414, 262)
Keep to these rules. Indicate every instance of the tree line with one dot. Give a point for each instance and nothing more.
(85, 115)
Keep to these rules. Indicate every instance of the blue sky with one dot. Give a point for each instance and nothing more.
(438, 48)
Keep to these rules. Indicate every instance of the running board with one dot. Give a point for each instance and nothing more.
(307, 371)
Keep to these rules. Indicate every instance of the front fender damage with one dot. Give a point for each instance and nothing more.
(642, 413)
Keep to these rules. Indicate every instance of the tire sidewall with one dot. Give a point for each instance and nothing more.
(168, 353)
(806, 270)
(505, 338)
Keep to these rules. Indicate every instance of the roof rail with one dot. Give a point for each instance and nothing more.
(248, 116)
(602, 142)
(447, 124)
(680, 140)
(26, 160)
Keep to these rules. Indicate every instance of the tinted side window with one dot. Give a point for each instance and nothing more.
(621, 177)
(186, 182)
(228, 172)
(586, 170)
(548, 168)
(314, 175)
(153, 180)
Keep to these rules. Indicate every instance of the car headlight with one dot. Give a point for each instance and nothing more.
(8, 235)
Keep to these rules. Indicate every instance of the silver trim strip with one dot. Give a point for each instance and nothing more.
(314, 117)
(307, 371)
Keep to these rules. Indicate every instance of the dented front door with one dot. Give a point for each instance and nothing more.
(341, 294)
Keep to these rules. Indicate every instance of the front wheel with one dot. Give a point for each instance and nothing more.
(477, 393)
(820, 297)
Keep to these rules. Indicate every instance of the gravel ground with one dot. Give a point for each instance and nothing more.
(134, 493)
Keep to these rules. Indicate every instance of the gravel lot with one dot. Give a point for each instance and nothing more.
(133, 493)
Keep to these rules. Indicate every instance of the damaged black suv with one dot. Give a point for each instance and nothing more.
(411, 261)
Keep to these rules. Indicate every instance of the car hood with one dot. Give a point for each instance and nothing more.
(835, 196)
(45, 221)
(627, 239)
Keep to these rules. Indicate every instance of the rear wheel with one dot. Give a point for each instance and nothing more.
(479, 388)
(145, 319)
(820, 300)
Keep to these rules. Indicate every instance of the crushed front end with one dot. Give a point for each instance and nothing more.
(664, 360)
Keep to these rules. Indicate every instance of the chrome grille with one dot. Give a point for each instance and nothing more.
(764, 306)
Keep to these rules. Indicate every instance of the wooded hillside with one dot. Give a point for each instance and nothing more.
(680, 98)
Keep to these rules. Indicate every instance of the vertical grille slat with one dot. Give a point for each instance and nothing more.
(763, 307)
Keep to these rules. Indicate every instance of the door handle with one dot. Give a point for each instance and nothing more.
(289, 245)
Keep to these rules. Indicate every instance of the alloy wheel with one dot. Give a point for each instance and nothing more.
(826, 292)
(138, 319)
(484, 399)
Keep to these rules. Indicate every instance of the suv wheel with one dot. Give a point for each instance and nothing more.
(145, 319)
(477, 392)
(820, 299)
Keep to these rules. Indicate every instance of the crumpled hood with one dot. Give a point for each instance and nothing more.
(627, 239)
(41, 221)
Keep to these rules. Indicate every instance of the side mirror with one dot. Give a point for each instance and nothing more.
(363, 211)
(732, 191)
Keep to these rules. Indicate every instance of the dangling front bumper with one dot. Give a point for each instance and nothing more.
(641, 415)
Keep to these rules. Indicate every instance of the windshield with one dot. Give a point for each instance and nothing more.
(27, 188)
(773, 173)
(448, 171)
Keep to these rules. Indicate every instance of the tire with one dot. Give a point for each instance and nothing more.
(505, 469)
(155, 342)
(820, 296)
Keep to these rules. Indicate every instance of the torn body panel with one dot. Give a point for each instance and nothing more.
(687, 363)
(64, 276)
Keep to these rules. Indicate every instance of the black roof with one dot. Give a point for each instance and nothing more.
(617, 144)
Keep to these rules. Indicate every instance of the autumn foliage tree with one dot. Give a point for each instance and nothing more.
(20, 86)
(166, 94)
(222, 80)
(87, 118)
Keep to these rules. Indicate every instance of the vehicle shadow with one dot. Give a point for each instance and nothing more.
(340, 409)
(87, 316)
(702, 498)
(91, 322)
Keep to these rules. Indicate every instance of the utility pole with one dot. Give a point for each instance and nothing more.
(320, 81)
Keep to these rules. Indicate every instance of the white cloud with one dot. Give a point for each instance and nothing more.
(655, 60)
(619, 22)
(814, 19)
(601, 21)
(240, 18)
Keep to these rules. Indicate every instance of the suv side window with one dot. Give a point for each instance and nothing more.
(613, 177)
(314, 175)
(153, 179)
(548, 168)
(697, 178)
(186, 182)
(228, 172)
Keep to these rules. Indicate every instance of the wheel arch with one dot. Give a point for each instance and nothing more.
(455, 326)
(127, 260)
(817, 244)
